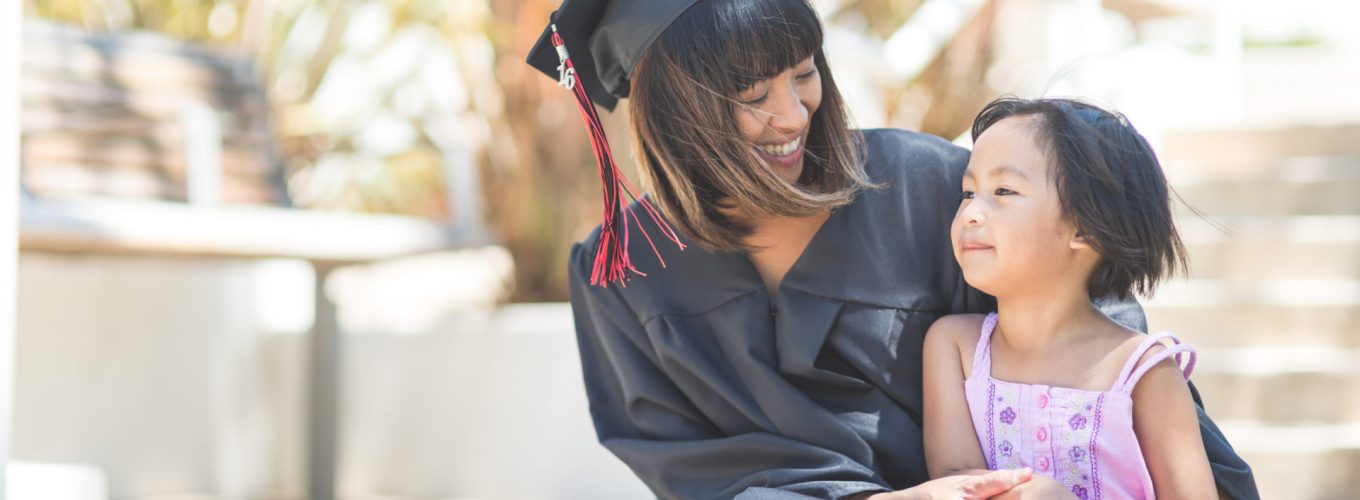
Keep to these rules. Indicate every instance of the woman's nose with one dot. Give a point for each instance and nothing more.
(788, 114)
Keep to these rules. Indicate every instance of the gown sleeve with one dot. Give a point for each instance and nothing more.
(644, 419)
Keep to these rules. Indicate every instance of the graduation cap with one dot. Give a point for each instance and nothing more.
(591, 47)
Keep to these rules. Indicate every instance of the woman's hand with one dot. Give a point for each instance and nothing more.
(979, 487)
(1041, 487)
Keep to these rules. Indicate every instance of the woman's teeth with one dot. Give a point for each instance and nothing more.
(781, 149)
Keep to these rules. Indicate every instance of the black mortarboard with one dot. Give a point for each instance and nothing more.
(590, 47)
(605, 39)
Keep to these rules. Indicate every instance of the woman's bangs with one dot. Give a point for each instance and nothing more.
(754, 39)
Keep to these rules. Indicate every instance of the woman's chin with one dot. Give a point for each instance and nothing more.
(790, 173)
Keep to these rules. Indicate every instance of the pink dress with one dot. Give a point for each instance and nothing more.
(1083, 439)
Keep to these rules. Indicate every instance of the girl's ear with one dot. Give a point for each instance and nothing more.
(1079, 242)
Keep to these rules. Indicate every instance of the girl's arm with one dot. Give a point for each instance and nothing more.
(951, 443)
(1167, 426)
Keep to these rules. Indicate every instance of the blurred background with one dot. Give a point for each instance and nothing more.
(314, 249)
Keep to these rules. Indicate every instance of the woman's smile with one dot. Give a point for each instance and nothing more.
(785, 154)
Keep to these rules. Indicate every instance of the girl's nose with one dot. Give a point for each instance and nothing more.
(972, 215)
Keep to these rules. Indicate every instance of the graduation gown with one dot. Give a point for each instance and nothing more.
(708, 387)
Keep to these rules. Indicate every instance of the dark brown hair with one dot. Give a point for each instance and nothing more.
(1111, 188)
(683, 107)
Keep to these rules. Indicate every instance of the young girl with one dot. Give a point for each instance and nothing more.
(1062, 202)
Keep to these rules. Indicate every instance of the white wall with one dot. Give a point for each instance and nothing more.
(179, 379)
(121, 364)
(506, 416)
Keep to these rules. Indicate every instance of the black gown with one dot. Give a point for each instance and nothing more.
(707, 388)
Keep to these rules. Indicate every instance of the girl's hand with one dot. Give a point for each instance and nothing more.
(962, 487)
(1041, 487)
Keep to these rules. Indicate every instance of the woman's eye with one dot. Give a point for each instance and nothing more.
(808, 76)
(756, 101)
(1004, 192)
(967, 195)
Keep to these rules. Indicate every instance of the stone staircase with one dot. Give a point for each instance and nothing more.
(1272, 300)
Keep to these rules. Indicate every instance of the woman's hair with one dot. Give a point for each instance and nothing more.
(1111, 188)
(683, 117)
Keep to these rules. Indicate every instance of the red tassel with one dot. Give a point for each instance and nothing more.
(611, 250)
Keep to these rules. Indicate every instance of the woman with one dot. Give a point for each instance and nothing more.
(780, 354)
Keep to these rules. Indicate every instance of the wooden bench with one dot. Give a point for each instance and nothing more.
(142, 145)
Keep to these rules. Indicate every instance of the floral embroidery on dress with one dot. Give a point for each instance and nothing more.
(1006, 439)
(1095, 431)
(1077, 454)
(991, 427)
(1074, 455)
(1078, 421)
(1079, 491)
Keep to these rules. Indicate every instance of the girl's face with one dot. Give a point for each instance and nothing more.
(775, 116)
(1009, 234)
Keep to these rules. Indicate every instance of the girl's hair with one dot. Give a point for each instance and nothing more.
(1111, 188)
(683, 117)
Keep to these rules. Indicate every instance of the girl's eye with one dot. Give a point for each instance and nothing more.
(1004, 192)
(807, 76)
(968, 195)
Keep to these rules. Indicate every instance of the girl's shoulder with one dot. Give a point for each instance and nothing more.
(959, 326)
(1131, 350)
(956, 333)
(1145, 357)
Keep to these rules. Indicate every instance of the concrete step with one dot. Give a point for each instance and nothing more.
(1237, 153)
(1313, 462)
(1306, 476)
(1293, 385)
(1305, 185)
(1266, 248)
(1221, 313)
(1271, 198)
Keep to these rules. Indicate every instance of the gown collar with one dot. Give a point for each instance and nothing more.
(841, 262)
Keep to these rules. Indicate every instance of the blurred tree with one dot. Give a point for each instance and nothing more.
(373, 97)
(881, 17)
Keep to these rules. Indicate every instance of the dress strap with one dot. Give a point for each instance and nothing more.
(1128, 377)
(982, 354)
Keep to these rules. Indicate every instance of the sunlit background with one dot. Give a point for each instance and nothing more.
(290, 249)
